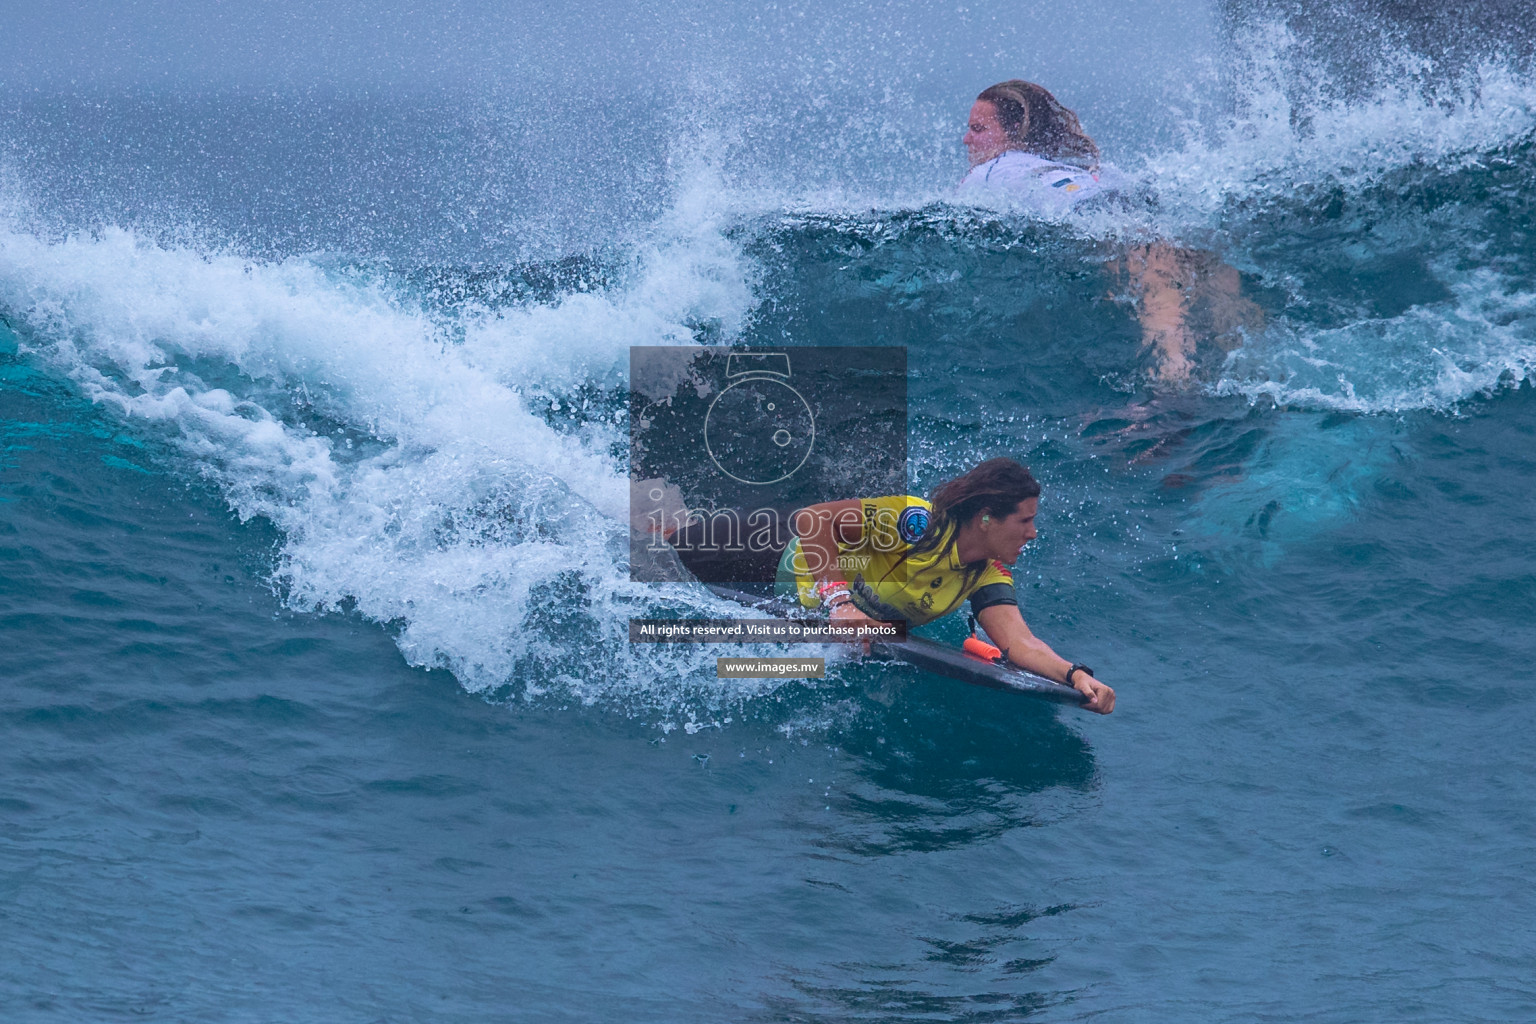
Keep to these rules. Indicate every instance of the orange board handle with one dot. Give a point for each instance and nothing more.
(981, 649)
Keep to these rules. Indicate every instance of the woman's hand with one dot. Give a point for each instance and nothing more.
(1006, 627)
(1100, 697)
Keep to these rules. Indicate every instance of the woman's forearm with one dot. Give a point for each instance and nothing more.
(1035, 655)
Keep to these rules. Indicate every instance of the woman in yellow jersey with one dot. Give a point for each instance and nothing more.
(900, 557)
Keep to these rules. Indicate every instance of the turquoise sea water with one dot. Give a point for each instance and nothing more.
(316, 703)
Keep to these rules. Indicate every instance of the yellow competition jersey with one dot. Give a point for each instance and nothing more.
(888, 583)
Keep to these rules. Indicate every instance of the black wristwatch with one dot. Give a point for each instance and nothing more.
(1077, 667)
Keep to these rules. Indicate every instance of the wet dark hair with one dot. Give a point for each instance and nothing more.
(997, 486)
(1036, 122)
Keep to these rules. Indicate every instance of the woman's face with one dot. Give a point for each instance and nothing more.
(984, 135)
(1007, 535)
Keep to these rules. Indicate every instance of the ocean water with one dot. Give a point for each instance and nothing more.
(317, 703)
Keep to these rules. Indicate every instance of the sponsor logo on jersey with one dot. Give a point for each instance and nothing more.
(868, 602)
(1000, 567)
(912, 523)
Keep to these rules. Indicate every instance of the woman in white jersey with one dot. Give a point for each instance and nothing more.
(1021, 140)
(1025, 145)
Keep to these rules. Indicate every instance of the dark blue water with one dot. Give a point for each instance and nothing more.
(317, 706)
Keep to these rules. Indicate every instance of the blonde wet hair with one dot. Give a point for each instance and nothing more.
(1036, 122)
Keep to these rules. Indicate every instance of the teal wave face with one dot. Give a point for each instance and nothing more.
(394, 414)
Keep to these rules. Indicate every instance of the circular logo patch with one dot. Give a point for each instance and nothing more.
(912, 523)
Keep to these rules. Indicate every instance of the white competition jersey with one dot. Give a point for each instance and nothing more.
(1034, 181)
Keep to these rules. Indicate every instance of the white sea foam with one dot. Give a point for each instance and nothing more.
(1294, 136)
(1426, 358)
(491, 540)
(1291, 129)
